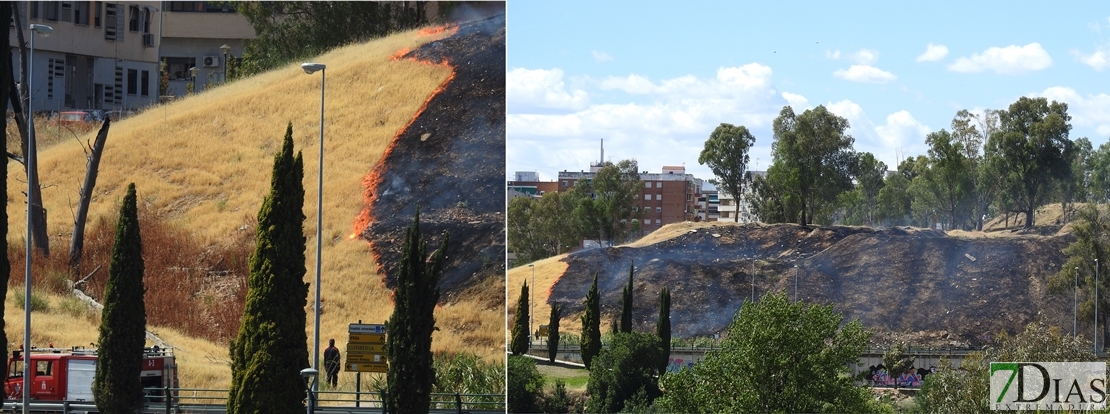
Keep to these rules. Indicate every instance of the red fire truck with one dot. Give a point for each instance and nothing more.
(60, 374)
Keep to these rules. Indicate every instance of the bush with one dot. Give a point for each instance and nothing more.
(623, 372)
(524, 385)
(38, 303)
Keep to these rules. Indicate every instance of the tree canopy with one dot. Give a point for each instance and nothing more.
(726, 154)
(607, 203)
(812, 160)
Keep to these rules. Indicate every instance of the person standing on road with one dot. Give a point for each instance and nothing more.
(331, 363)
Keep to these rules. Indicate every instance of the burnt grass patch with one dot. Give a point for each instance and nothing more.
(916, 285)
(450, 161)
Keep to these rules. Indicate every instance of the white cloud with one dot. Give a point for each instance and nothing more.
(798, 102)
(933, 53)
(864, 73)
(1099, 59)
(600, 56)
(1007, 60)
(1091, 111)
(542, 89)
(902, 133)
(728, 82)
(866, 56)
(862, 56)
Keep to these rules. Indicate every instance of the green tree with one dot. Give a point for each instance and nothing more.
(543, 227)
(663, 329)
(777, 356)
(1099, 187)
(894, 201)
(409, 343)
(897, 362)
(524, 385)
(1091, 246)
(591, 326)
(945, 183)
(869, 177)
(967, 390)
(1032, 150)
(971, 130)
(553, 332)
(287, 31)
(607, 203)
(812, 160)
(520, 333)
(270, 349)
(726, 154)
(771, 203)
(626, 302)
(117, 385)
(624, 369)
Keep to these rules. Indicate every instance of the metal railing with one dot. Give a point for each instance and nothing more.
(201, 400)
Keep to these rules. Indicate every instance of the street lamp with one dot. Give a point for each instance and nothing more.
(1096, 305)
(1075, 303)
(226, 49)
(311, 68)
(533, 304)
(309, 375)
(795, 283)
(32, 172)
(193, 72)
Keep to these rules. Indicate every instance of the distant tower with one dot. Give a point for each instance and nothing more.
(602, 161)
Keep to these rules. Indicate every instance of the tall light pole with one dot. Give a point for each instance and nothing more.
(532, 303)
(226, 49)
(753, 279)
(311, 68)
(32, 173)
(1096, 305)
(795, 283)
(1075, 303)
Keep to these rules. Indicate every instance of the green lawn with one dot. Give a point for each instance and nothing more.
(575, 379)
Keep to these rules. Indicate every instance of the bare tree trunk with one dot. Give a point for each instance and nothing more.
(92, 165)
(38, 212)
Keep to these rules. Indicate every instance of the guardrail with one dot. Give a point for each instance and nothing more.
(200, 400)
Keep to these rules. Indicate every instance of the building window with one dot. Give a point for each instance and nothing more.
(81, 13)
(658, 184)
(147, 17)
(50, 10)
(96, 13)
(564, 183)
(67, 12)
(659, 209)
(133, 23)
(132, 82)
(146, 83)
(647, 184)
(658, 196)
(658, 221)
(34, 10)
(178, 67)
(647, 196)
(219, 7)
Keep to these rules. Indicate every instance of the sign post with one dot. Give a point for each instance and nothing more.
(366, 348)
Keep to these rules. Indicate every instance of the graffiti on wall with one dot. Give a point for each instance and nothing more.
(677, 364)
(881, 377)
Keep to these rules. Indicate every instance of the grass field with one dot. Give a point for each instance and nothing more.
(202, 164)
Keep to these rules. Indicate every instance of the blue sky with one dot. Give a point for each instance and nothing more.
(653, 79)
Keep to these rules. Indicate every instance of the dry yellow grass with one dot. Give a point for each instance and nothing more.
(205, 161)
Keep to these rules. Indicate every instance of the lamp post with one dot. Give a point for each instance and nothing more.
(753, 279)
(226, 49)
(532, 303)
(1075, 304)
(309, 375)
(1096, 305)
(311, 68)
(795, 283)
(193, 72)
(32, 172)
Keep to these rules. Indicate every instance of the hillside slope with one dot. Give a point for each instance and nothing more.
(915, 284)
(203, 164)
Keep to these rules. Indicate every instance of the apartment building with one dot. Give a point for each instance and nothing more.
(669, 196)
(108, 55)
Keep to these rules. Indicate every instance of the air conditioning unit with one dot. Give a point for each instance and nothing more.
(211, 61)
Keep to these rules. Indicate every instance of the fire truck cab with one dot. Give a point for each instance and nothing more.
(60, 374)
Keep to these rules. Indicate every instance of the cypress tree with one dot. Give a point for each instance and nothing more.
(5, 265)
(591, 326)
(117, 387)
(409, 340)
(626, 303)
(553, 332)
(271, 348)
(663, 329)
(519, 344)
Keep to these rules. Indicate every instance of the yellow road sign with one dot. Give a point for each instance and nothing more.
(366, 348)
(357, 367)
(367, 338)
(366, 358)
